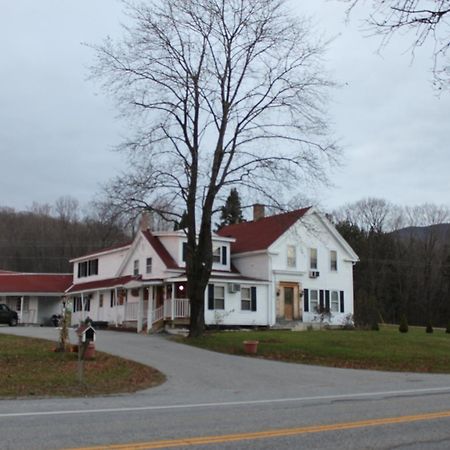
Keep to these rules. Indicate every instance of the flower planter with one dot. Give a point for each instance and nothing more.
(251, 347)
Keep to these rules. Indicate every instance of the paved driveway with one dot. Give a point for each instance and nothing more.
(197, 376)
(224, 401)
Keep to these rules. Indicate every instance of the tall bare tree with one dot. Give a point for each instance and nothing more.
(222, 93)
(425, 19)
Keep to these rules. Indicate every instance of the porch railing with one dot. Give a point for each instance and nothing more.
(177, 308)
(158, 314)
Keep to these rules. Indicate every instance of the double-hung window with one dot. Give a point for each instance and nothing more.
(313, 258)
(291, 256)
(216, 296)
(333, 260)
(136, 267)
(246, 299)
(148, 265)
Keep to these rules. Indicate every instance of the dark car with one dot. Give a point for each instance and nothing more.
(8, 316)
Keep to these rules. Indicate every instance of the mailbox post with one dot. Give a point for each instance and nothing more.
(86, 345)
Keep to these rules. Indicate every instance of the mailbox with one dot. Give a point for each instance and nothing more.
(86, 333)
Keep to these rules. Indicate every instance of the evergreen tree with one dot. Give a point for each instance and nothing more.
(182, 224)
(231, 212)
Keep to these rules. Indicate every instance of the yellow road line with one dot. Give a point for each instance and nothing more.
(184, 442)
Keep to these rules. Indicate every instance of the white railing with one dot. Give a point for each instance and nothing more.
(177, 308)
(158, 314)
(182, 308)
(131, 311)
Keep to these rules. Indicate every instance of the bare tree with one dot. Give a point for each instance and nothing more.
(223, 93)
(425, 19)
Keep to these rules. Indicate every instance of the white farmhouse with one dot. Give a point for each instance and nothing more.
(277, 269)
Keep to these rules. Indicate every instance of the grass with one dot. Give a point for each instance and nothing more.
(30, 367)
(387, 349)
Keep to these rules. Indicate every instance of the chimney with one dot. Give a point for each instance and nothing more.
(258, 211)
(145, 221)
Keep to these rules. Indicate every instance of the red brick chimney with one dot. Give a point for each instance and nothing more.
(258, 211)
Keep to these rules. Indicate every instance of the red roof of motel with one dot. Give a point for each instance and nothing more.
(101, 284)
(260, 234)
(34, 283)
(160, 249)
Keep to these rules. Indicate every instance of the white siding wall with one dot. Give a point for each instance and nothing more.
(142, 251)
(233, 315)
(108, 265)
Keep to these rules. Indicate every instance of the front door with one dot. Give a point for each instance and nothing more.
(288, 302)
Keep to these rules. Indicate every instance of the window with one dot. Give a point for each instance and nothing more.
(136, 267)
(88, 268)
(313, 300)
(313, 258)
(148, 265)
(216, 297)
(334, 307)
(246, 299)
(184, 251)
(333, 260)
(112, 299)
(216, 256)
(291, 256)
(77, 304)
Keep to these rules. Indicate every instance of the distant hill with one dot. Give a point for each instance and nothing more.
(441, 231)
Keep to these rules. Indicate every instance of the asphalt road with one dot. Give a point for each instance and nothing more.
(220, 401)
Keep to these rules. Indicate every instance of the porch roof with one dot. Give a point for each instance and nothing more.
(101, 284)
(32, 283)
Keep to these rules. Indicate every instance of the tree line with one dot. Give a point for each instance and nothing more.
(45, 237)
(404, 266)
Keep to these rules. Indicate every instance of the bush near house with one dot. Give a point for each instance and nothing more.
(386, 349)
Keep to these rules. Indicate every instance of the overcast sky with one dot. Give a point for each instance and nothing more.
(57, 129)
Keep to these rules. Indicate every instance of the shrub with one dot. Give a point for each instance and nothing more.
(447, 330)
(403, 328)
(375, 326)
(429, 328)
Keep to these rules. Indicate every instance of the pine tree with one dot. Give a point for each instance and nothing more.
(231, 212)
(182, 224)
(403, 328)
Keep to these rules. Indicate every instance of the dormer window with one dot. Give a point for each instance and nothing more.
(88, 268)
(291, 256)
(219, 255)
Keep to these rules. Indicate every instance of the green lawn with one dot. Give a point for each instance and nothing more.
(387, 349)
(30, 367)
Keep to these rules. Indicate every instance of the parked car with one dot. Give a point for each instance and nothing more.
(8, 316)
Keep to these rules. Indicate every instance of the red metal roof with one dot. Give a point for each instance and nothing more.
(101, 284)
(34, 283)
(260, 234)
(102, 250)
(160, 249)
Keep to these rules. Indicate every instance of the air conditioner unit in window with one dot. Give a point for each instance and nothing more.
(234, 287)
(314, 274)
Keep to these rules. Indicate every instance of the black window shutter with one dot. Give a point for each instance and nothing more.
(184, 251)
(342, 301)
(321, 305)
(306, 300)
(327, 299)
(74, 304)
(253, 291)
(210, 296)
(224, 255)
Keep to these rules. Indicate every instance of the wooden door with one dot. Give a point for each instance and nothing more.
(288, 302)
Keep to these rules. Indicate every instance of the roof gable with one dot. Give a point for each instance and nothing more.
(160, 250)
(260, 234)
